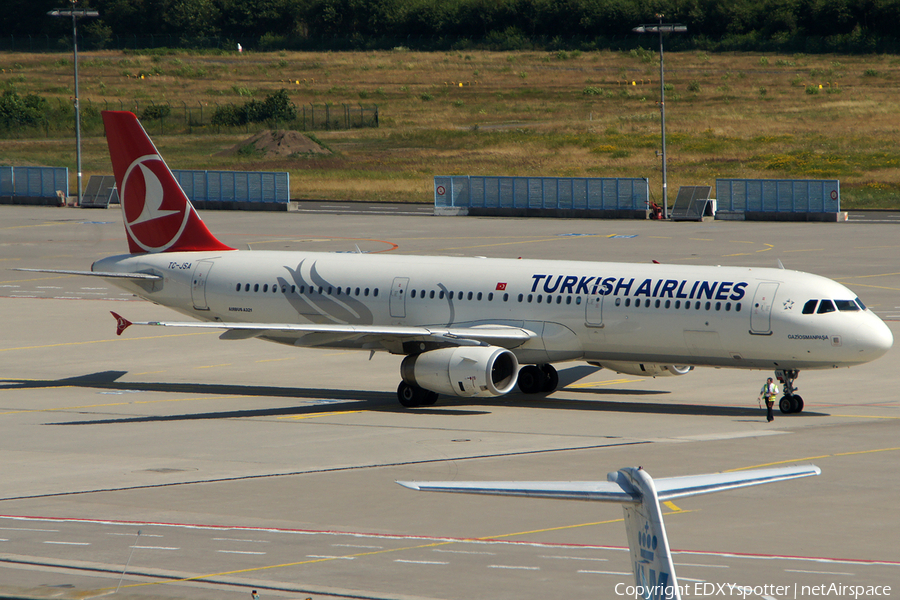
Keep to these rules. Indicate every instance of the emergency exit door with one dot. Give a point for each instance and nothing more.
(398, 297)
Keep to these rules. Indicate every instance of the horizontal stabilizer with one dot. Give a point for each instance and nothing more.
(640, 495)
(618, 488)
(105, 275)
(602, 491)
(669, 488)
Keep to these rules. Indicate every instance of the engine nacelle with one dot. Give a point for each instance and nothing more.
(462, 371)
(646, 369)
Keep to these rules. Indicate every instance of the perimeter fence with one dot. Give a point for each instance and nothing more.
(186, 117)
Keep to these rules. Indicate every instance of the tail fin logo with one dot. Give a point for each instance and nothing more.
(154, 216)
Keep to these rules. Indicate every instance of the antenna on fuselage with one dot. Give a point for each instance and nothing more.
(780, 266)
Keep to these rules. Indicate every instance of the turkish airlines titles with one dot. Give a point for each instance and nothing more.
(651, 288)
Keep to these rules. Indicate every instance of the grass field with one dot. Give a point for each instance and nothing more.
(519, 113)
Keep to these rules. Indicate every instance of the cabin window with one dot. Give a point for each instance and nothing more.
(375, 293)
(718, 306)
(451, 295)
(355, 292)
(530, 296)
(657, 304)
(737, 307)
(619, 302)
(578, 300)
(366, 292)
(825, 306)
(238, 288)
(559, 299)
(627, 301)
(727, 306)
(697, 305)
(469, 296)
(284, 289)
(490, 296)
(678, 304)
(431, 295)
(568, 299)
(668, 303)
(708, 304)
(520, 297)
(413, 294)
(266, 287)
(846, 305)
(505, 297)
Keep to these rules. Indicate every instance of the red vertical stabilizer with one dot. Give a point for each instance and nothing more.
(158, 216)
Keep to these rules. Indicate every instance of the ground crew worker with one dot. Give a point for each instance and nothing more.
(769, 392)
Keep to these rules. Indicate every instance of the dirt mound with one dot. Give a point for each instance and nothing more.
(279, 143)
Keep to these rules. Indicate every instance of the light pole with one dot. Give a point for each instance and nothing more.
(75, 13)
(662, 28)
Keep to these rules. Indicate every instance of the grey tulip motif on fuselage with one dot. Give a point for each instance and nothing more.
(333, 304)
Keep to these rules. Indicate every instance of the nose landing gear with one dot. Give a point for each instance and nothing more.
(790, 402)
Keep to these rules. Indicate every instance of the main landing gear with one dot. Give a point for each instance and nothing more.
(412, 396)
(538, 379)
(790, 402)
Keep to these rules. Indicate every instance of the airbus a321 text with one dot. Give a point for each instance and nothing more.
(476, 326)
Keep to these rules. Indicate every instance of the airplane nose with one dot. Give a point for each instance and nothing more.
(875, 339)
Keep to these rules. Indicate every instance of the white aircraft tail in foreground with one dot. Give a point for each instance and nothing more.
(640, 495)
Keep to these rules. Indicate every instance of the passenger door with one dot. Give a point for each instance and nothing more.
(761, 311)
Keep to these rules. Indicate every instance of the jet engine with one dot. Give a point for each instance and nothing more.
(462, 371)
(645, 369)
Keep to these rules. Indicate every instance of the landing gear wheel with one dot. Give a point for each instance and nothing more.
(790, 402)
(430, 398)
(551, 379)
(531, 379)
(412, 396)
(785, 405)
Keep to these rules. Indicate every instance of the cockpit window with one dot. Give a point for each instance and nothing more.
(861, 305)
(826, 306)
(846, 305)
(810, 307)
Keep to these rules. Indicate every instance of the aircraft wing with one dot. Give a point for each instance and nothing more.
(496, 335)
(618, 488)
(139, 276)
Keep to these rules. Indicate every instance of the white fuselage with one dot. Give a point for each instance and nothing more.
(685, 315)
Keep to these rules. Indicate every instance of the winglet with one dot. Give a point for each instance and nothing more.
(121, 323)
